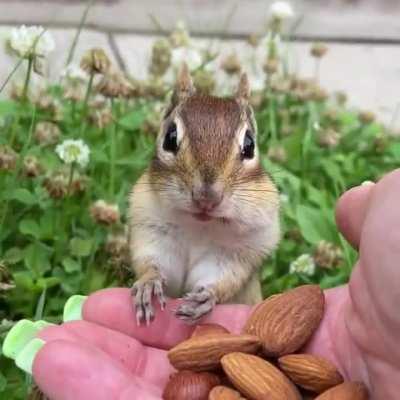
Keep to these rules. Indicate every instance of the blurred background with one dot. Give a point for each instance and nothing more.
(363, 36)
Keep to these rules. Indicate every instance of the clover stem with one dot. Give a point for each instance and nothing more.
(87, 95)
(71, 178)
(28, 78)
(112, 152)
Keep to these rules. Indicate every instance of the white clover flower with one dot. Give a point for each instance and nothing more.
(303, 265)
(73, 73)
(31, 41)
(74, 151)
(191, 56)
(281, 10)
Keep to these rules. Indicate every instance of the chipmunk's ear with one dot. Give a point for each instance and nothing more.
(184, 88)
(184, 85)
(243, 90)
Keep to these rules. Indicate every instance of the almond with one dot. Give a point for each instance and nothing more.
(208, 329)
(346, 391)
(186, 385)
(203, 353)
(310, 372)
(258, 379)
(284, 323)
(224, 393)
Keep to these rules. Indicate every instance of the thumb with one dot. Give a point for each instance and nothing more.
(351, 211)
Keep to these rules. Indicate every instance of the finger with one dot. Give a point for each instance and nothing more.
(351, 210)
(113, 308)
(379, 272)
(73, 371)
(129, 352)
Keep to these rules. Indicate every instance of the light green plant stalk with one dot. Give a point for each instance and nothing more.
(113, 135)
(71, 178)
(28, 77)
(82, 22)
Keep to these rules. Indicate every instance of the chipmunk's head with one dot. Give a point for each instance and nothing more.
(207, 160)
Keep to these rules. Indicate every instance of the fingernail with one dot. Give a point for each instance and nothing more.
(367, 183)
(27, 355)
(18, 337)
(42, 324)
(73, 308)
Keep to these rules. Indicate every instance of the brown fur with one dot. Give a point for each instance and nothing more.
(211, 124)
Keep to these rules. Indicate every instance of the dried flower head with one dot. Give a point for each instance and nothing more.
(8, 158)
(46, 133)
(74, 92)
(280, 85)
(329, 138)
(318, 50)
(31, 167)
(366, 117)
(204, 81)
(341, 98)
(318, 93)
(180, 36)
(74, 151)
(257, 99)
(327, 255)
(277, 154)
(95, 61)
(154, 88)
(101, 116)
(304, 264)
(32, 41)
(331, 114)
(117, 246)
(160, 57)
(271, 66)
(253, 40)
(115, 84)
(105, 213)
(302, 89)
(58, 185)
(5, 274)
(46, 102)
(231, 64)
(380, 143)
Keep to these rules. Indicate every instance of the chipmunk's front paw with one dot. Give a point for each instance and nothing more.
(196, 305)
(142, 292)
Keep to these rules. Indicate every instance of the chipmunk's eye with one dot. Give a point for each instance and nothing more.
(171, 139)
(248, 146)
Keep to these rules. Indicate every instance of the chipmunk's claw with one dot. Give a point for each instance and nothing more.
(143, 295)
(197, 304)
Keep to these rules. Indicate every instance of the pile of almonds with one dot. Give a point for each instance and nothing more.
(261, 363)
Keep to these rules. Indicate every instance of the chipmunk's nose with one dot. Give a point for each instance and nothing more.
(206, 198)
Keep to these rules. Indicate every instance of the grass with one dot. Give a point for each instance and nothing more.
(54, 242)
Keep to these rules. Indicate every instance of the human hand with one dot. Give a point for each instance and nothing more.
(107, 356)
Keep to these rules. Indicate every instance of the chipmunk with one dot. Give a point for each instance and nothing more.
(204, 215)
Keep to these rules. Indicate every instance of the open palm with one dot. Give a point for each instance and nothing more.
(107, 356)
